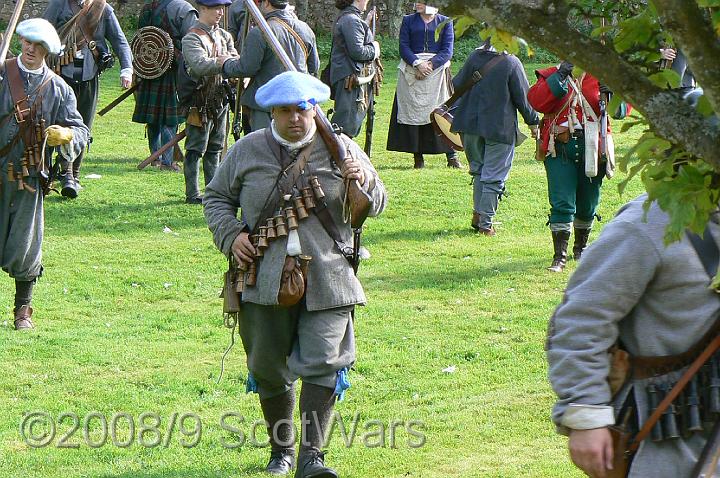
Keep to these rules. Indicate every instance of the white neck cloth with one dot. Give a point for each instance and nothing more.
(293, 147)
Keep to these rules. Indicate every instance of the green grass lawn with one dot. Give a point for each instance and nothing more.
(129, 321)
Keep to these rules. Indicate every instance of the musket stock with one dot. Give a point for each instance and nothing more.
(119, 99)
(178, 137)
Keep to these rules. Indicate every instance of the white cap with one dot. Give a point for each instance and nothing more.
(38, 30)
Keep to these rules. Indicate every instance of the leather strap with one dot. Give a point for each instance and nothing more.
(216, 44)
(474, 78)
(291, 171)
(21, 100)
(23, 110)
(88, 19)
(290, 30)
(707, 250)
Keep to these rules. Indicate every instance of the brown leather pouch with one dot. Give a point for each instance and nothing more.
(232, 289)
(194, 118)
(562, 134)
(292, 282)
(619, 368)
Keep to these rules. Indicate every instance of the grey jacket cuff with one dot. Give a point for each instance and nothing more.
(586, 417)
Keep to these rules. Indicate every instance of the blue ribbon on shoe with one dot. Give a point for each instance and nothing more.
(341, 384)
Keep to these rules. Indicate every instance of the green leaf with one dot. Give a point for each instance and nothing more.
(629, 124)
(686, 197)
(704, 107)
(637, 30)
(440, 27)
(462, 23)
(665, 78)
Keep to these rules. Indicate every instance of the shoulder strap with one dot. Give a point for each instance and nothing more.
(290, 30)
(22, 109)
(587, 109)
(474, 78)
(287, 177)
(17, 91)
(215, 43)
(89, 21)
(707, 251)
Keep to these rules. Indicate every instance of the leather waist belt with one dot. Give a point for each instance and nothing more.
(646, 367)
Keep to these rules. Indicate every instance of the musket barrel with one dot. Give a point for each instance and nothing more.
(5, 47)
(260, 21)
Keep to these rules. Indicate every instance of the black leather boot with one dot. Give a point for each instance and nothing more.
(581, 240)
(419, 161)
(278, 412)
(453, 161)
(316, 407)
(69, 185)
(311, 464)
(560, 245)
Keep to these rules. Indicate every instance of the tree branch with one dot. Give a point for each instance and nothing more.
(546, 23)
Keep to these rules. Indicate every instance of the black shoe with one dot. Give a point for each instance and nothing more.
(454, 162)
(312, 465)
(419, 161)
(195, 200)
(69, 186)
(281, 462)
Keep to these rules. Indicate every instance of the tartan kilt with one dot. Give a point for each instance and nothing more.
(156, 101)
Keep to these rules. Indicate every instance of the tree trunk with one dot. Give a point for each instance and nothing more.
(394, 11)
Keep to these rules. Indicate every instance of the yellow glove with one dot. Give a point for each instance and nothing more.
(57, 135)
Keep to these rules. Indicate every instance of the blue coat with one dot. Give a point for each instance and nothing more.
(352, 45)
(418, 37)
(490, 108)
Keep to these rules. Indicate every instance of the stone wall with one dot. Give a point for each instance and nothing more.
(319, 14)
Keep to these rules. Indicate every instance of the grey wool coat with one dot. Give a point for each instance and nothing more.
(352, 45)
(258, 61)
(656, 300)
(491, 106)
(21, 212)
(197, 52)
(58, 13)
(244, 180)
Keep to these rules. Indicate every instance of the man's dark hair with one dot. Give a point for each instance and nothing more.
(278, 3)
(343, 4)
